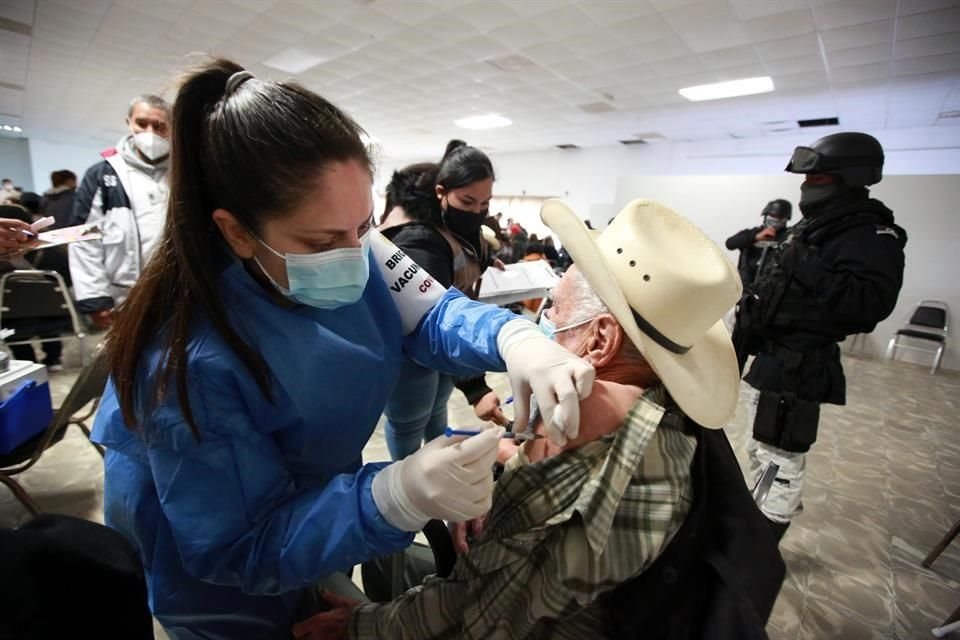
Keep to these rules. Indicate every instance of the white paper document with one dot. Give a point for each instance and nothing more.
(66, 235)
(520, 281)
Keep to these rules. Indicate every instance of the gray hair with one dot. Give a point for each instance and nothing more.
(586, 302)
(150, 100)
(588, 305)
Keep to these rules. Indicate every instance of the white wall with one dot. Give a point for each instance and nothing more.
(15, 161)
(926, 206)
(47, 157)
(588, 178)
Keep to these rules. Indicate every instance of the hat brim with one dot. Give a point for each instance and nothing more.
(704, 381)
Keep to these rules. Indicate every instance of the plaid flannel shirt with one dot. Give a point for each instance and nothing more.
(561, 532)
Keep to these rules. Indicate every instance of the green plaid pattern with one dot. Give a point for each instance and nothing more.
(560, 533)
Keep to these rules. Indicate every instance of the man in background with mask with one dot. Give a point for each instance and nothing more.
(838, 272)
(126, 196)
(751, 242)
(755, 245)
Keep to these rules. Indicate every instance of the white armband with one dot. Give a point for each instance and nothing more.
(413, 290)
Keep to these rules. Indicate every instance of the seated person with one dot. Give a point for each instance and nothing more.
(572, 520)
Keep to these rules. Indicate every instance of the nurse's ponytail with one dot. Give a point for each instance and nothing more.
(250, 146)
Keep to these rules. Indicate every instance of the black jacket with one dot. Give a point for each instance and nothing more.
(59, 204)
(61, 574)
(720, 575)
(838, 274)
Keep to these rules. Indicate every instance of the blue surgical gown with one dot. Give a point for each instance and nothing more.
(274, 496)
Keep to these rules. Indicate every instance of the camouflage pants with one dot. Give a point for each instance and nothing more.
(784, 499)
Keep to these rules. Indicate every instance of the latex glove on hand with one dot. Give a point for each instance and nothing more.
(556, 377)
(447, 479)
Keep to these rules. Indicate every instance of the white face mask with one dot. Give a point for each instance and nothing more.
(551, 330)
(151, 145)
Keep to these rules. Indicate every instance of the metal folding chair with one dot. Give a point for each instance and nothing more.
(929, 323)
(34, 303)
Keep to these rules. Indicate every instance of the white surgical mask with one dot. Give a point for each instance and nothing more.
(324, 280)
(551, 330)
(151, 145)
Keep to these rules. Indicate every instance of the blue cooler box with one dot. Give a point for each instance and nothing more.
(25, 405)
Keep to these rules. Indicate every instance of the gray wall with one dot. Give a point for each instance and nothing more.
(15, 162)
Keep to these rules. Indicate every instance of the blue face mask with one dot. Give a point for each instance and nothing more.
(550, 330)
(325, 280)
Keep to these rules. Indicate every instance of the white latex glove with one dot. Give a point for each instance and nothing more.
(447, 479)
(557, 378)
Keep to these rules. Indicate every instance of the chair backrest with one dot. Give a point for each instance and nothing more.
(88, 386)
(930, 313)
(33, 295)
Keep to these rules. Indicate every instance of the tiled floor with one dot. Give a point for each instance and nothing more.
(884, 487)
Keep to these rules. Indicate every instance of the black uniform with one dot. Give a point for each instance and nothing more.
(837, 274)
(750, 254)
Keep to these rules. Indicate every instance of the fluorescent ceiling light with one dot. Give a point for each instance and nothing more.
(488, 121)
(7, 127)
(17, 129)
(732, 89)
(294, 60)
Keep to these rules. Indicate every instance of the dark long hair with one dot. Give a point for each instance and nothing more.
(257, 153)
(414, 189)
(462, 165)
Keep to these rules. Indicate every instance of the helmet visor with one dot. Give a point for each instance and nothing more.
(804, 160)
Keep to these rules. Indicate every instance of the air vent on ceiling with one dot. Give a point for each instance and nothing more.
(567, 146)
(949, 114)
(596, 107)
(628, 142)
(511, 63)
(817, 122)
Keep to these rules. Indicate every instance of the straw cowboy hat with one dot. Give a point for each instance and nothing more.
(668, 285)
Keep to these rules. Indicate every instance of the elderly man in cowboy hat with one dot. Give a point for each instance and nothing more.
(584, 519)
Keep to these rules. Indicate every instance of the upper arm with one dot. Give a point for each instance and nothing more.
(83, 203)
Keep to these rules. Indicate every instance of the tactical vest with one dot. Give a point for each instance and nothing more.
(779, 301)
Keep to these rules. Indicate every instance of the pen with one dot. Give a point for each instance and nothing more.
(450, 432)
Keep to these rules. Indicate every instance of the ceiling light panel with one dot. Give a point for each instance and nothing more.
(487, 121)
(730, 89)
(293, 60)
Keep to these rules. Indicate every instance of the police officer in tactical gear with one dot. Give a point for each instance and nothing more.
(752, 242)
(755, 245)
(837, 273)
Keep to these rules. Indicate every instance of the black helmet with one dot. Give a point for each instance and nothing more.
(856, 157)
(778, 208)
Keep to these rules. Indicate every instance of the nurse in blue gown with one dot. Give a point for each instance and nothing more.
(252, 360)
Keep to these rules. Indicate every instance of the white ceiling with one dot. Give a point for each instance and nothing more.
(407, 69)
